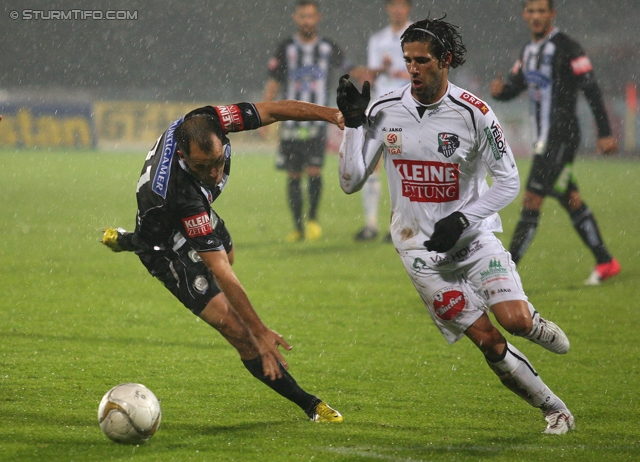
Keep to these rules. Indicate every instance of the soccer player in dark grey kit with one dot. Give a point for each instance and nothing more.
(183, 242)
(301, 65)
(553, 68)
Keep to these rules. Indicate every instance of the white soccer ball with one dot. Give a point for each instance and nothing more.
(129, 413)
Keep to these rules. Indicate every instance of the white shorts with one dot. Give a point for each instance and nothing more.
(457, 287)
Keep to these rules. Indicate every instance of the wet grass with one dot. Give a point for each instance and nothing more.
(77, 319)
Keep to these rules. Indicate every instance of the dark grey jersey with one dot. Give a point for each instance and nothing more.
(172, 205)
(553, 70)
(304, 70)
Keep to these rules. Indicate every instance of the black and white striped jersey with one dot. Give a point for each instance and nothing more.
(173, 205)
(304, 70)
(553, 70)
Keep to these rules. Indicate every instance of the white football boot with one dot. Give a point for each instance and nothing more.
(548, 335)
(559, 422)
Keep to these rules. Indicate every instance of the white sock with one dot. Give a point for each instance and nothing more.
(518, 375)
(535, 318)
(370, 200)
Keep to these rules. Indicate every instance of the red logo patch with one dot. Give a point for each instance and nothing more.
(425, 181)
(448, 304)
(230, 118)
(476, 102)
(392, 138)
(197, 225)
(581, 65)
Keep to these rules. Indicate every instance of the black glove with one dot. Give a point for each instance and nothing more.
(352, 103)
(446, 232)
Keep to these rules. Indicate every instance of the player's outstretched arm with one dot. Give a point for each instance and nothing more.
(277, 111)
(266, 340)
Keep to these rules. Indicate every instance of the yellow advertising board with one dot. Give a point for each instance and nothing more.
(134, 123)
(29, 125)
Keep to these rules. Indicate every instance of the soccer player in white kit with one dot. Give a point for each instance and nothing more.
(386, 66)
(438, 142)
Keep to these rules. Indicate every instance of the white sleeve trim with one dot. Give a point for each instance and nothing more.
(358, 157)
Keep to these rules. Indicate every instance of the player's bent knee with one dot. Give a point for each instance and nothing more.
(532, 201)
(513, 316)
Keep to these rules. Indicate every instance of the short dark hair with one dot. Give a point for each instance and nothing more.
(443, 37)
(549, 2)
(407, 1)
(198, 128)
(301, 3)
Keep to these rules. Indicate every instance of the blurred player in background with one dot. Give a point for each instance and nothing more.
(302, 64)
(438, 142)
(184, 244)
(388, 72)
(553, 68)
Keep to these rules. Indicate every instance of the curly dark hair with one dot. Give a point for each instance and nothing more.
(443, 37)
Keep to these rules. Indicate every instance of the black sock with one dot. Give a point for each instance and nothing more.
(586, 226)
(295, 202)
(524, 233)
(315, 190)
(285, 386)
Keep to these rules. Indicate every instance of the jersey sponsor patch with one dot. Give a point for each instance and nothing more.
(230, 118)
(197, 225)
(393, 142)
(427, 181)
(448, 143)
(468, 97)
(448, 303)
(581, 65)
(161, 177)
(496, 140)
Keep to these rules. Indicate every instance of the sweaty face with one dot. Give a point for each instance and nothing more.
(307, 18)
(207, 167)
(428, 78)
(539, 17)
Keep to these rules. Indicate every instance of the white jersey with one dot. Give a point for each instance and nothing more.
(385, 44)
(436, 162)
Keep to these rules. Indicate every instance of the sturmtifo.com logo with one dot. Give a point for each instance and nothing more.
(74, 15)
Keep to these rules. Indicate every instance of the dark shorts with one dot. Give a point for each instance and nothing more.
(552, 172)
(184, 274)
(296, 155)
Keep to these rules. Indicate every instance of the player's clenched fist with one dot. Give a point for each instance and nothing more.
(447, 232)
(351, 102)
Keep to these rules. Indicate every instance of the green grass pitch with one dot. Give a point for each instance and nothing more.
(76, 319)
